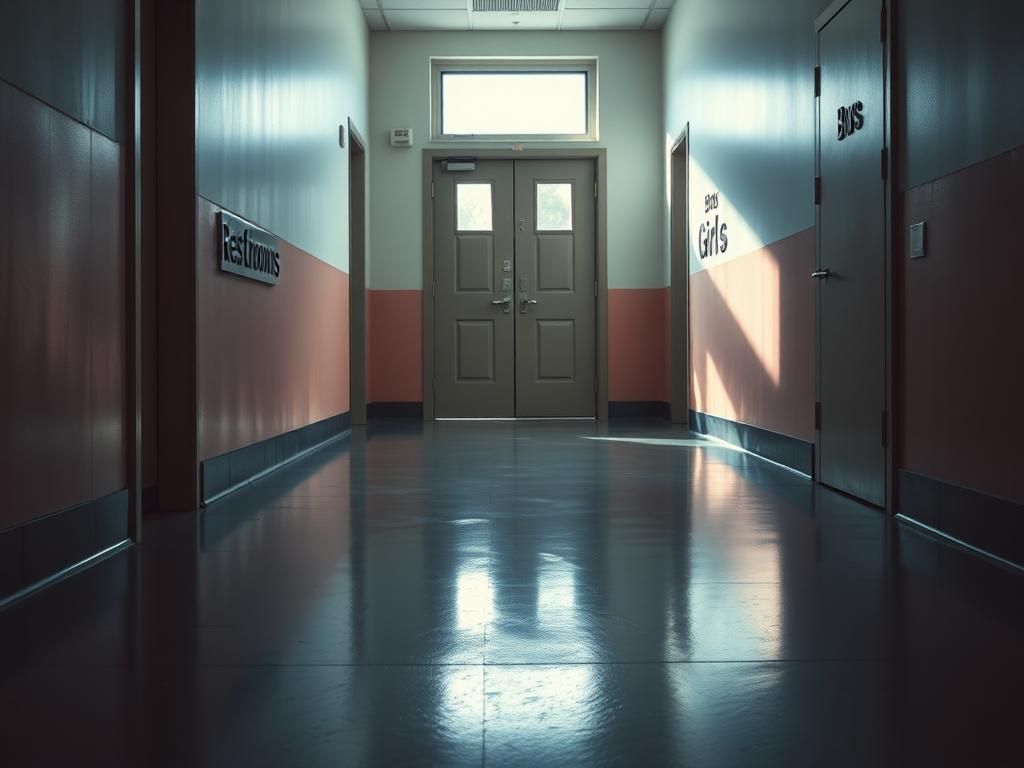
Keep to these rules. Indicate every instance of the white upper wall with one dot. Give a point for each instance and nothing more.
(741, 73)
(274, 80)
(630, 98)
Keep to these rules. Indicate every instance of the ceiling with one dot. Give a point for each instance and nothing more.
(394, 15)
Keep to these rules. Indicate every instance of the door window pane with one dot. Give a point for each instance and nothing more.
(554, 207)
(510, 104)
(473, 202)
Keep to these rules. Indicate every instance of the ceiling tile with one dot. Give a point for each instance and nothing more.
(604, 18)
(374, 19)
(538, 20)
(423, 5)
(607, 4)
(428, 19)
(657, 18)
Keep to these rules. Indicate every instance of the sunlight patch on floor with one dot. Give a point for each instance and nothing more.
(667, 442)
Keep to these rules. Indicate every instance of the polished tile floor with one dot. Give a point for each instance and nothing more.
(522, 594)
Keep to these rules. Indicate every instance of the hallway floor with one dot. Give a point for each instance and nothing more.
(522, 594)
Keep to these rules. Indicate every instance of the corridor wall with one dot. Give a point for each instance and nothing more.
(957, 310)
(740, 76)
(63, 395)
(272, 83)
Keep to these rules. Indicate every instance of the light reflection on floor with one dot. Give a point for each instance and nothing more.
(522, 594)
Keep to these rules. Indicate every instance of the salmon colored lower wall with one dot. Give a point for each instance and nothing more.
(638, 344)
(752, 338)
(959, 320)
(62, 311)
(271, 358)
(395, 346)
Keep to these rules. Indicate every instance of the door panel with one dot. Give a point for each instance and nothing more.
(474, 367)
(555, 268)
(851, 246)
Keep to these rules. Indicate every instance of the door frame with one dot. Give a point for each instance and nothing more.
(357, 229)
(887, 168)
(679, 280)
(600, 157)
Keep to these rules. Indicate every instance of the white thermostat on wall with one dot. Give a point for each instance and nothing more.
(401, 137)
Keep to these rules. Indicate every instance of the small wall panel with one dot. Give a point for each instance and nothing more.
(64, 310)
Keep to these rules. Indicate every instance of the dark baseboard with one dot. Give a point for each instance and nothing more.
(782, 449)
(43, 548)
(412, 410)
(644, 410)
(231, 470)
(991, 524)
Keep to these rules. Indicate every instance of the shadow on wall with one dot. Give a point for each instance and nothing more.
(752, 338)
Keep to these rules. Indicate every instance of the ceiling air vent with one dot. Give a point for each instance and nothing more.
(510, 6)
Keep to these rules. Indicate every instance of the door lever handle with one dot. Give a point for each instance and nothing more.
(506, 300)
(524, 303)
(820, 274)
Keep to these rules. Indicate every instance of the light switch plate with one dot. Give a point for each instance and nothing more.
(917, 244)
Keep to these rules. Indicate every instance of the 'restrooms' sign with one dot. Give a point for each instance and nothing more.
(247, 250)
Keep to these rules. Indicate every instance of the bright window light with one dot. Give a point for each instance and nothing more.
(510, 104)
(514, 99)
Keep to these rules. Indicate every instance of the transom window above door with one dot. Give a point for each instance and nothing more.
(514, 99)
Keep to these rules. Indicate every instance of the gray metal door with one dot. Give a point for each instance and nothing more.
(514, 303)
(474, 319)
(851, 252)
(555, 288)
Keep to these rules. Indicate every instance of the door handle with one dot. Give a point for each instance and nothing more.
(820, 274)
(524, 303)
(506, 300)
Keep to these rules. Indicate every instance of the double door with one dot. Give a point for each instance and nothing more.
(515, 289)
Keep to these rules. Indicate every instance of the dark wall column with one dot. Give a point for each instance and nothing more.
(177, 431)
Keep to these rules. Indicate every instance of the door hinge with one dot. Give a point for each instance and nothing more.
(595, 190)
(433, 289)
(885, 164)
(431, 190)
(817, 415)
(884, 24)
(817, 81)
(817, 190)
(595, 289)
(885, 428)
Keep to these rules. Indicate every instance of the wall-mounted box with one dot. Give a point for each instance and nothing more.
(401, 137)
(917, 240)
